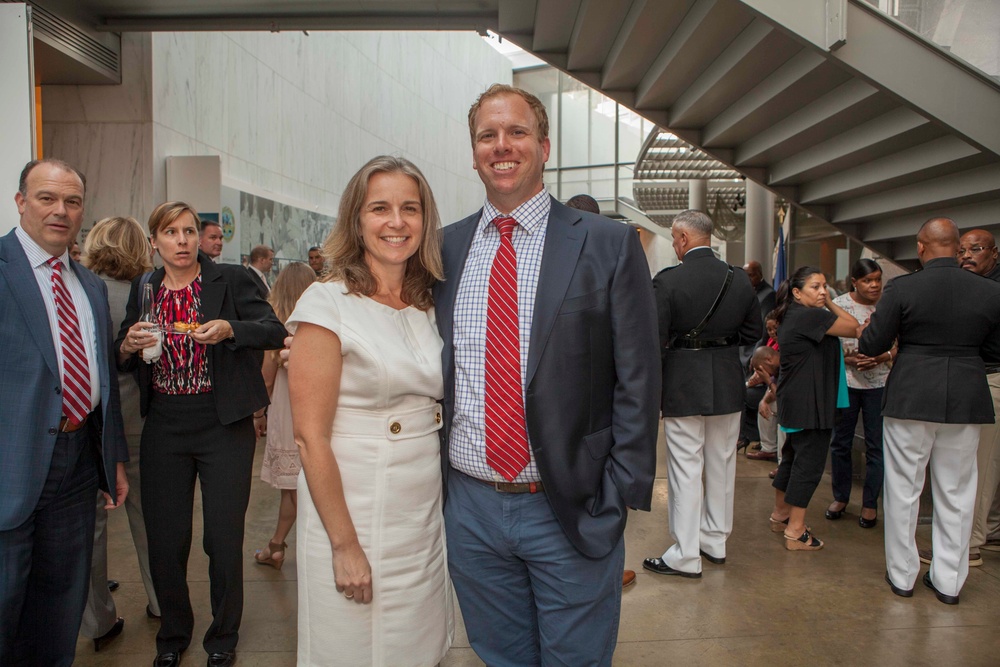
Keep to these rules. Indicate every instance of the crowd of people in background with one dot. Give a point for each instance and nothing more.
(468, 410)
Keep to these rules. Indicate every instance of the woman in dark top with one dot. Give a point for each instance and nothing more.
(198, 398)
(810, 379)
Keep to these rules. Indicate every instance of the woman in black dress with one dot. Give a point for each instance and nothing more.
(812, 375)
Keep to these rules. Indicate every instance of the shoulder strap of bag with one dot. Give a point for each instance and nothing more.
(694, 333)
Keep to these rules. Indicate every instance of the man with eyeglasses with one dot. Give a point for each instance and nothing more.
(978, 252)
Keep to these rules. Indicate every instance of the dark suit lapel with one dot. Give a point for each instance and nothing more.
(563, 243)
(21, 278)
(213, 291)
(456, 250)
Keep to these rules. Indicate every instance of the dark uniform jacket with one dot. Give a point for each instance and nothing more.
(708, 381)
(947, 319)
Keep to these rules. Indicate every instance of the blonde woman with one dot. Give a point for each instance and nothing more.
(118, 251)
(364, 377)
(281, 464)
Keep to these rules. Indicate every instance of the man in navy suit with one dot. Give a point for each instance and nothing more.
(536, 507)
(54, 454)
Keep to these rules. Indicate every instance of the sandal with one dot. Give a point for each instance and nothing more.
(777, 526)
(804, 542)
(272, 549)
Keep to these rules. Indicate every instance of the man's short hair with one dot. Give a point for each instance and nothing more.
(259, 252)
(316, 248)
(584, 202)
(205, 224)
(541, 116)
(696, 221)
(22, 184)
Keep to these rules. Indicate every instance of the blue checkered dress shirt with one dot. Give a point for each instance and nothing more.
(467, 446)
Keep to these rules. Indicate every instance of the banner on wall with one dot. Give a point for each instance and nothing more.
(250, 220)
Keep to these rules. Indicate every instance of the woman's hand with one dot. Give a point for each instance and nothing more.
(260, 425)
(764, 409)
(138, 338)
(283, 354)
(353, 573)
(213, 332)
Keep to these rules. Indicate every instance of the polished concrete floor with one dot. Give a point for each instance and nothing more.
(766, 606)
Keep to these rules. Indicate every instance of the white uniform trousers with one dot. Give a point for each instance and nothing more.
(950, 449)
(701, 518)
(988, 467)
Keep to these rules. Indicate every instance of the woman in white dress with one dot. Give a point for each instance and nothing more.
(364, 378)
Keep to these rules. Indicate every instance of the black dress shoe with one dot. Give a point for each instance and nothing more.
(867, 523)
(832, 515)
(170, 659)
(901, 592)
(713, 559)
(105, 639)
(112, 585)
(947, 599)
(222, 659)
(659, 567)
(150, 614)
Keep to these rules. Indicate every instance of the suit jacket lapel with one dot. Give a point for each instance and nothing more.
(213, 291)
(563, 243)
(18, 273)
(455, 253)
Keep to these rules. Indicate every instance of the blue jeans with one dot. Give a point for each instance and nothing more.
(869, 403)
(528, 597)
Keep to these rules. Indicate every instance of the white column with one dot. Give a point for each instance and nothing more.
(697, 194)
(760, 225)
(17, 106)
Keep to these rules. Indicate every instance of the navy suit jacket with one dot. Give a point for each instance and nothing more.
(30, 385)
(593, 381)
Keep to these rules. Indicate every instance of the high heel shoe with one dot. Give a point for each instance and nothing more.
(272, 549)
(833, 515)
(742, 443)
(804, 542)
(867, 523)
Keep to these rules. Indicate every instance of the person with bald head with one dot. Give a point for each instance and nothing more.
(947, 322)
(977, 253)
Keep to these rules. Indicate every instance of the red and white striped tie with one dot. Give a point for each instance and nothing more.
(506, 436)
(76, 370)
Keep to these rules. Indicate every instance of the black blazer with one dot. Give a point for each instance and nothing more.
(710, 381)
(946, 319)
(592, 386)
(258, 283)
(227, 293)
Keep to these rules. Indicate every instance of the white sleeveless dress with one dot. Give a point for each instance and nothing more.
(385, 439)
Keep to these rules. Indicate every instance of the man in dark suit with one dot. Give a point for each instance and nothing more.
(261, 261)
(62, 430)
(748, 429)
(947, 321)
(551, 396)
(706, 310)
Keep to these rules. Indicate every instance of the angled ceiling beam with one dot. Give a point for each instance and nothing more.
(795, 70)
(847, 146)
(516, 16)
(980, 214)
(593, 30)
(822, 23)
(738, 53)
(919, 163)
(654, 78)
(944, 192)
(840, 100)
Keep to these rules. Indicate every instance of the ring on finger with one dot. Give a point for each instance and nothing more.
(349, 597)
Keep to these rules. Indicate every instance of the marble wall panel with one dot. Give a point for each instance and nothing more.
(115, 158)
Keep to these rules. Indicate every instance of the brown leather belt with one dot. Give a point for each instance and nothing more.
(66, 427)
(509, 487)
(512, 487)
